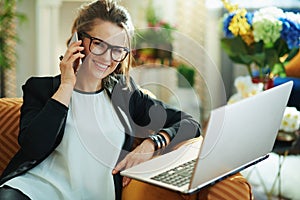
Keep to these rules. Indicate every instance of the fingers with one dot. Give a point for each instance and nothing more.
(121, 165)
(70, 62)
(73, 53)
(76, 64)
(132, 159)
(126, 181)
(129, 161)
(140, 154)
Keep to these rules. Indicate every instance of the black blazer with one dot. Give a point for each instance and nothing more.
(43, 119)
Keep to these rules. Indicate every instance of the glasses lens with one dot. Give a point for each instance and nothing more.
(118, 53)
(98, 47)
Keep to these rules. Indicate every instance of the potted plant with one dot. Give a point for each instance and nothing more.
(8, 37)
(156, 40)
(186, 76)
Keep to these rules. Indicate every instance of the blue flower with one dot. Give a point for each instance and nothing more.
(226, 21)
(249, 17)
(290, 33)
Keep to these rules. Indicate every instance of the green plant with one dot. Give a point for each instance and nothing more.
(186, 76)
(8, 35)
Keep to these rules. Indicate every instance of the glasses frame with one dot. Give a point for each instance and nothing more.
(109, 46)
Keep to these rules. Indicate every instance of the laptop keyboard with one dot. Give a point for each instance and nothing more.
(177, 176)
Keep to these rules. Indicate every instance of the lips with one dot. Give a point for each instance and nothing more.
(100, 66)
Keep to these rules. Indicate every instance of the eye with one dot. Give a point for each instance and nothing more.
(99, 44)
(117, 51)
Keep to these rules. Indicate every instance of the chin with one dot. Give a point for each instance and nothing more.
(99, 75)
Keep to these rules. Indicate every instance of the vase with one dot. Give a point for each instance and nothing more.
(267, 81)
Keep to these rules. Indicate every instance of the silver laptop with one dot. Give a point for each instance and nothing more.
(238, 136)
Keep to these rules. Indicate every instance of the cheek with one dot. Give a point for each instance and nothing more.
(110, 70)
(113, 66)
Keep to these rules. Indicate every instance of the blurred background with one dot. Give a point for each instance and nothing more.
(188, 67)
(195, 42)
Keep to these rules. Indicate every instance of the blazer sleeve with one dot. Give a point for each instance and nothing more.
(42, 118)
(154, 115)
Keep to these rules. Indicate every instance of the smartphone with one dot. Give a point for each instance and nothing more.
(75, 39)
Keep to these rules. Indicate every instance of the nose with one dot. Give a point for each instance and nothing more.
(107, 55)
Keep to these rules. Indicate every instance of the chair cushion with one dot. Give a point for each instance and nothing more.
(9, 129)
(234, 187)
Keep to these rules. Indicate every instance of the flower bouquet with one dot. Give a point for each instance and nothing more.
(261, 39)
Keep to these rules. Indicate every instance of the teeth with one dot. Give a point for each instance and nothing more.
(101, 66)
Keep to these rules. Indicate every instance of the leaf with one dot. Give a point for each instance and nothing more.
(257, 58)
(239, 52)
(279, 70)
(234, 48)
(281, 47)
(271, 57)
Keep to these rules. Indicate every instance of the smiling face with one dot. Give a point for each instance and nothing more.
(107, 24)
(98, 64)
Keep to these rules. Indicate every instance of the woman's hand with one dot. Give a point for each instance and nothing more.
(140, 154)
(70, 63)
(67, 69)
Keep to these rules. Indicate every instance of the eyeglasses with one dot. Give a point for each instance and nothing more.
(99, 47)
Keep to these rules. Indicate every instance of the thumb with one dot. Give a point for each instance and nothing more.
(119, 166)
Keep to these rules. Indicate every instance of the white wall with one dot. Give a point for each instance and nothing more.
(26, 48)
(67, 14)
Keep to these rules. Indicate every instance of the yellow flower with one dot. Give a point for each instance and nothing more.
(248, 38)
(230, 7)
(239, 24)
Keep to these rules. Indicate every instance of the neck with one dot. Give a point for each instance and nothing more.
(85, 84)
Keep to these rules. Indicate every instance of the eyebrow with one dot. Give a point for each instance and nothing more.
(97, 38)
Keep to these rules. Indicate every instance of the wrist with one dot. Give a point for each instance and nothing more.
(66, 87)
(159, 141)
(150, 144)
(63, 94)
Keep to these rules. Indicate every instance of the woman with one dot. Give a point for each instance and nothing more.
(77, 130)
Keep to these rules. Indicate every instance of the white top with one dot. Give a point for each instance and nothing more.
(81, 166)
